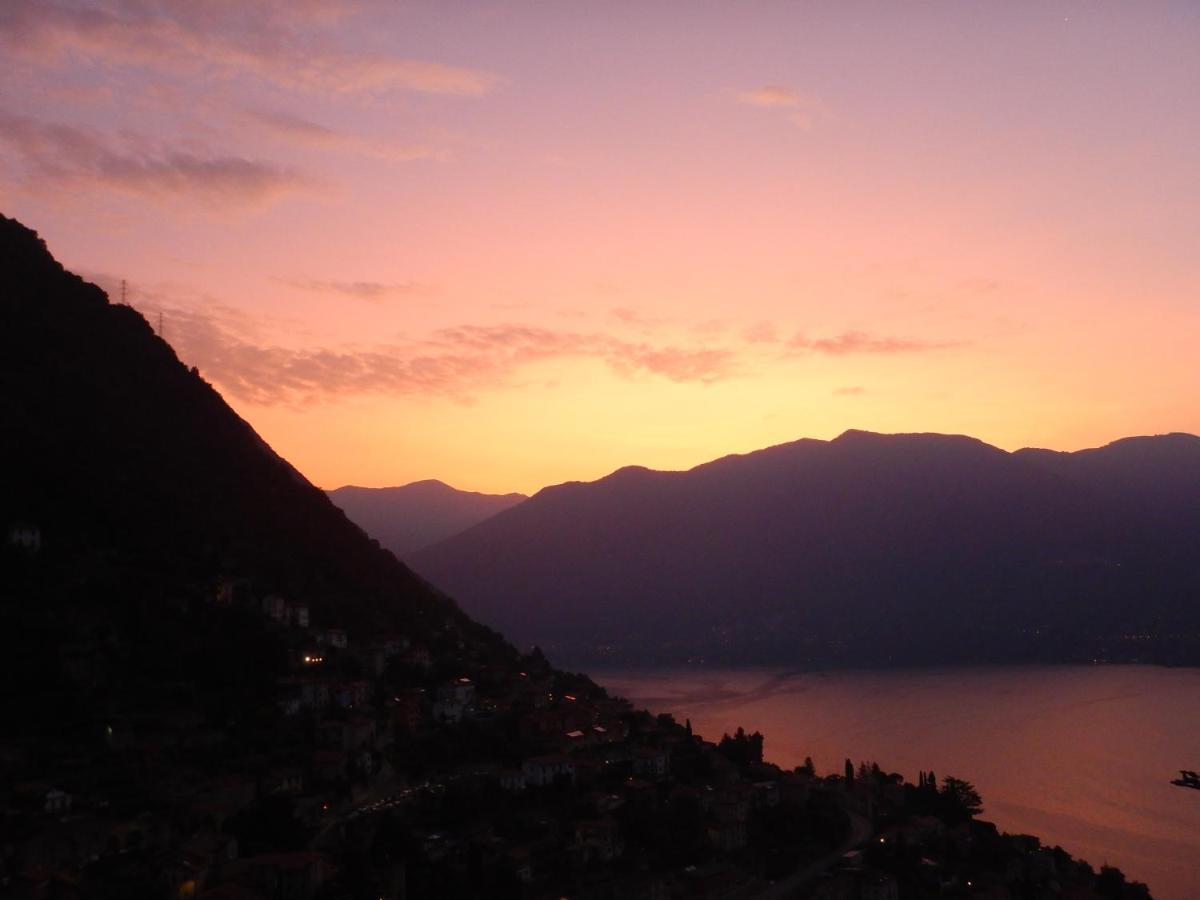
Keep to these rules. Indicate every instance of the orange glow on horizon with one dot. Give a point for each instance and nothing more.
(508, 248)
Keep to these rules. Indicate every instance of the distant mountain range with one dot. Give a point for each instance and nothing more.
(409, 518)
(867, 549)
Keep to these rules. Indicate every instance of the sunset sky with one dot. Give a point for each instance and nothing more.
(512, 244)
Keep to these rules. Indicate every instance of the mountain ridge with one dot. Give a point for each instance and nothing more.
(410, 517)
(805, 532)
(170, 477)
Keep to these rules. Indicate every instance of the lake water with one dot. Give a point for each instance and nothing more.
(1079, 756)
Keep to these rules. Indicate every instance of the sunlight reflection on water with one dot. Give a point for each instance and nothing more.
(1080, 756)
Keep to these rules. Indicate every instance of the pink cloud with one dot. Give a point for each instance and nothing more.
(678, 364)
(761, 333)
(802, 110)
(286, 43)
(294, 129)
(70, 157)
(456, 362)
(359, 290)
(855, 342)
(772, 95)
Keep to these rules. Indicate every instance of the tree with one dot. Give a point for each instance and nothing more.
(849, 771)
(1111, 884)
(742, 749)
(960, 798)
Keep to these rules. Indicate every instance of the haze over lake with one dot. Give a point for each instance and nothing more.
(1080, 756)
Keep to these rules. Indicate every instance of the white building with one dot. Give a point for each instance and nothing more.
(453, 700)
(26, 537)
(275, 607)
(332, 637)
(512, 780)
(298, 616)
(544, 770)
(57, 801)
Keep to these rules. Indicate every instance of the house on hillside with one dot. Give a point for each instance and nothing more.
(453, 699)
(512, 780)
(417, 657)
(406, 709)
(391, 644)
(26, 537)
(727, 835)
(233, 590)
(545, 770)
(384, 649)
(351, 694)
(57, 801)
(41, 797)
(766, 794)
(275, 607)
(296, 694)
(651, 762)
(331, 637)
(597, 840)
(287, 780)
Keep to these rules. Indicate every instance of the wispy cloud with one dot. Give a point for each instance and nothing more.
(360, 290)
(294, 129)
(627, 315)
(771, 95)
(70, 157)
(859, 342)
(243, 355)
(284, 42)
(761, 333)
(457, 363)
(680, 364)
(801, 109)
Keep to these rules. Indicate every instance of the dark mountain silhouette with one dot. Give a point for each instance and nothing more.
(409, 518)
(130, 462)
(868, 548)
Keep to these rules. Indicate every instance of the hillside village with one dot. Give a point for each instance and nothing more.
(387, 766)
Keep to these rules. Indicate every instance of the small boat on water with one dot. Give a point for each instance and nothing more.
(1187, 778)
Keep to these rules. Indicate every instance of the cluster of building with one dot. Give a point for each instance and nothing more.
(463, 773)
(367, 732)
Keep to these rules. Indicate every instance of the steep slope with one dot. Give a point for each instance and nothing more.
(408, 518)
(125, 459)
(869, 548)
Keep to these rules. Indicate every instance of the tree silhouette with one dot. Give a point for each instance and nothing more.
(960, 799)
(742, 749)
